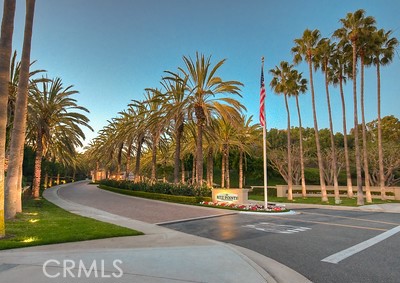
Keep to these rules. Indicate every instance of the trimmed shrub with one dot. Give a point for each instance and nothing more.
(159, 188)
(158, 196)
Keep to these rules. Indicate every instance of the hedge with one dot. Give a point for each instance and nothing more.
(157, 196)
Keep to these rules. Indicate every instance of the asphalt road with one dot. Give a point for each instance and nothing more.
(303, 240)
(146, 210)
(298, 241)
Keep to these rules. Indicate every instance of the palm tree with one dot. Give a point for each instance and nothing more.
(175, 106)
(365, 60)
(339, 64)
(53, 119)
(353, 26)
(324, 52)
(247, 135)
(305, 48)
(300, 87)
(18, 134)
(157, 121)
(383, 52)
(204, 85)
(7, 29)
(281, 83)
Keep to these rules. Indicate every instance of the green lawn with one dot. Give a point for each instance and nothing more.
(43, 223)
(316, 200)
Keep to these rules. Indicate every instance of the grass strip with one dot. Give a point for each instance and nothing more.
(317, 200)
(43, 223)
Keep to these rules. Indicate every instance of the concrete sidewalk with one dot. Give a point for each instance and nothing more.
(162, 255)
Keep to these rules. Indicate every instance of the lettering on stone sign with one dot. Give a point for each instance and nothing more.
(227, 197)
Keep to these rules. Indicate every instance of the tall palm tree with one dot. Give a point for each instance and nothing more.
(305, 49)
(281, 83)
(365, 60)
(353, 26)
(7, 29)
(339, 64)
(156, 123)
(175, 107)
(300, 87)
(383, 52)
(18, 134)
(204, 85)
(324, 52)
(52, 118)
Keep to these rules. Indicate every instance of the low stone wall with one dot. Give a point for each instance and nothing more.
(392, 193)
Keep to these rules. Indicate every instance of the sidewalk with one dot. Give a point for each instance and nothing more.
(161, 255)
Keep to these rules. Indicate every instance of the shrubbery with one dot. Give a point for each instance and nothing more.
(160, 188)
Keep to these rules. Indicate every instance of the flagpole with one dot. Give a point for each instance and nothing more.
(265, 152)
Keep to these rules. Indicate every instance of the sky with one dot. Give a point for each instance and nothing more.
(111, 50)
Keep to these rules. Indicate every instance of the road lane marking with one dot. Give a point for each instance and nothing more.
(329, 224)
(276, 228)
(337, 257)
(352, 218)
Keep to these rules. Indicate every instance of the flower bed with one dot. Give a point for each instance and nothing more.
(246, 207)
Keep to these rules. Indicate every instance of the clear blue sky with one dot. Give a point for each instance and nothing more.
(111, 50)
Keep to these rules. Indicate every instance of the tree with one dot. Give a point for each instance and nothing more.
(383, 52)
(18, 133)
(324, 52)
(7, 29)
(339, 64)
(247, 135)
(54, 122)
(300, 87)
(305, 48)
(204, 85)
(283, 82)
(175, 106)
(353, 26)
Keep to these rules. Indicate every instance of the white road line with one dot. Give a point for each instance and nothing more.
(336, 258)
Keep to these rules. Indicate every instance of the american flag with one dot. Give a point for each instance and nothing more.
(262, 97)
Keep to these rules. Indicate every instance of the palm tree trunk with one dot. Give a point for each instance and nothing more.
(223, 160)
(18, 134)
(154, 159)
(380, 150)
(199, 153)
(177, 153)
(138, 154)
(303, 178)
(183, 171)
(128, 160)
(364, 138)
(333, 147)
(346, 147)
(194, 170)
(289, 152)
(227, 175)
(240, 168)
(7, 29)
(38, 165)
(360, 193)
(119, 161)
(210, 167)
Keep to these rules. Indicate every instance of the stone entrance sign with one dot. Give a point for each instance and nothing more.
(236, 196)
